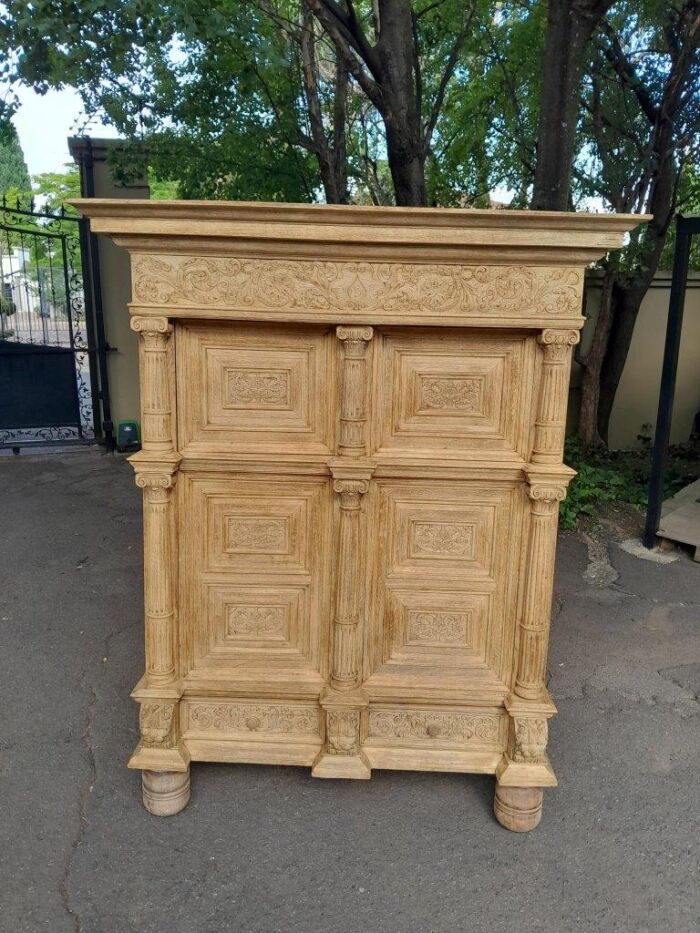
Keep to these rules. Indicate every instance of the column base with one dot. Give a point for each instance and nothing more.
(354, 767)
(165, 793)
(518, 808)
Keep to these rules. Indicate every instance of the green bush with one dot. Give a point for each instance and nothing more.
(619, 476)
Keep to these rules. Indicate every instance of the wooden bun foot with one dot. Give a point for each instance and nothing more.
(165, 793)
(518, 808)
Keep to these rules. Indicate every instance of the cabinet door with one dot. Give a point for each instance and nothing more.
(454, 394)
(255, 580)
(443, 604)
(246, 388)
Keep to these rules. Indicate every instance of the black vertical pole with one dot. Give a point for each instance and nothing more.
(662, 434)
(107, 425)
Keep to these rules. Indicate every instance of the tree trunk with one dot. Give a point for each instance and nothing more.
(626, 307)
(569, 29)
(331, 157)
(405, 151)
(592, 366)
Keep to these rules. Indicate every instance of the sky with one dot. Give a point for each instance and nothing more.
(44, 123)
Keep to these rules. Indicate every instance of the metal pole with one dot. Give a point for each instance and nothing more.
(107, 425)
(662, 434)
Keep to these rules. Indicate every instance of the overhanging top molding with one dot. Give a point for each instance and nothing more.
(380, 234)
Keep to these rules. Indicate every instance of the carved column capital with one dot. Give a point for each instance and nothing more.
(351, 492)
(557, 343)
(354, 339)
(546, 497)
(154, 331)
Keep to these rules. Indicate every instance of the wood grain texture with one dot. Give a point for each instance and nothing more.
(353, 424)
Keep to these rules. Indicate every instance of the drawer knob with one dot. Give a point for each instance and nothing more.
(253, 723)
(434, 730)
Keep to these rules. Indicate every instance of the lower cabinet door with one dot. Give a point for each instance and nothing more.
(255, 583)
(443, 600)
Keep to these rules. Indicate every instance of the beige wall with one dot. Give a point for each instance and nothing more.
(638, 395)
(122, 362)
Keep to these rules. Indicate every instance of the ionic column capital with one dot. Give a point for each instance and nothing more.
(557, 343)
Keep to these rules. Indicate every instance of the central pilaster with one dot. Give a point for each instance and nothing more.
(344, 702)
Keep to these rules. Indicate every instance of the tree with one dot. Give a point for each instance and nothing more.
(13, 169)
(270, 99)
(570, 25)
(642, 126)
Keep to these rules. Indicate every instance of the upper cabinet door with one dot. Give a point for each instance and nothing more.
(454, 394)
(255, 388)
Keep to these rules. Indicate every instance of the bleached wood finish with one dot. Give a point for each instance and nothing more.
(353, 424)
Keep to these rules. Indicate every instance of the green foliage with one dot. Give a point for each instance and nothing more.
(605, 476)
(13, 169)
(53, 189)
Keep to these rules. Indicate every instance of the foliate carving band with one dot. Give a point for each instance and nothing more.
(359, 287)
(462, 727)
(254, 717)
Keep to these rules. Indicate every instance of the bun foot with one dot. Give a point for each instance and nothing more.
(165, 793)
(518, 808)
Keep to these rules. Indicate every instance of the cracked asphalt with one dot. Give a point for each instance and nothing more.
(265, 849)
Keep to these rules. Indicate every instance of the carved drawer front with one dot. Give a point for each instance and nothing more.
(437, 727)
(250, 720)
(454, 391)
(442, 613)
(255, 573)
(255, 388)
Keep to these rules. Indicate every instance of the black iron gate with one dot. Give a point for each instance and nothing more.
(50, 386)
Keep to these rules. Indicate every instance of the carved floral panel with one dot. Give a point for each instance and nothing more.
(355, 287)
(436, 627)
(252, 718)
(451, 393)
(257, 389)
(434, 724)
(442, 539)
(266, 622)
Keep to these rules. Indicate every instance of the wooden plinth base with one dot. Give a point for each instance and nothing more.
(165, 793)
(518, 808)
(354, 767)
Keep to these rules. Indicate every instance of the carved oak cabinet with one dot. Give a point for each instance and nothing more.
(353, 421)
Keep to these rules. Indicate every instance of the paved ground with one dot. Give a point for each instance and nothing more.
(267, 849)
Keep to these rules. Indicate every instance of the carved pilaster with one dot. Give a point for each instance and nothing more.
(156, 393)
(534, 625)
(345, 673)
(550, 424)
(159, 600)
(353, 391)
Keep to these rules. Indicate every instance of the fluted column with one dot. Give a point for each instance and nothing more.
(353, 391)
(156, 403)
(550, 424)
(534, 625)
(345, 674)
(159, 605)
